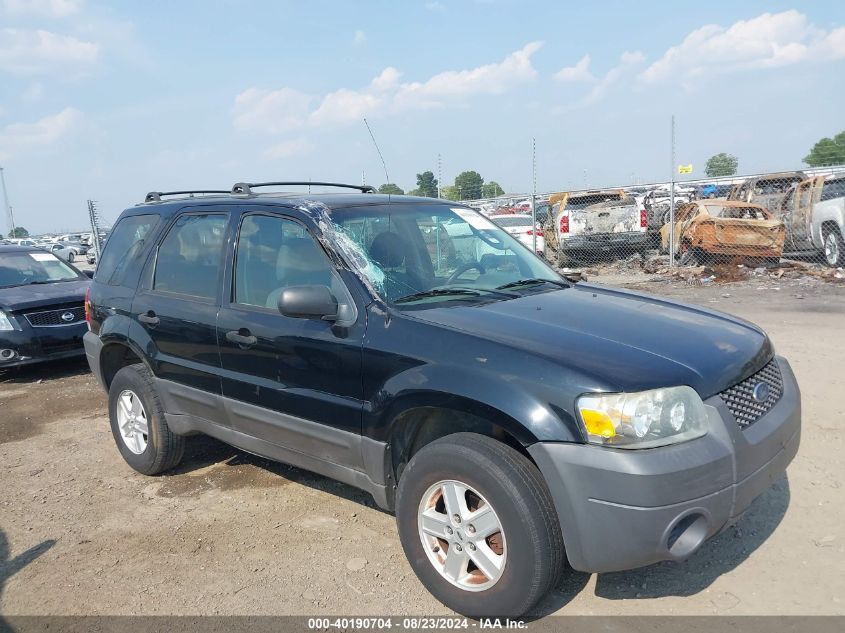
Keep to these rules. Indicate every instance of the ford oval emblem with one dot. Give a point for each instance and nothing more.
(67, 317)
(760, 392)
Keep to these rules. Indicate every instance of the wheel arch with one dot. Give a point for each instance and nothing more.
(416, 421)
(116, 354)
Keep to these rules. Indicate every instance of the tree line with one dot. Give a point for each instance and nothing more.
(469, 185)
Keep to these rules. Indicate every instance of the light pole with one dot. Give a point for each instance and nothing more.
(11, 218)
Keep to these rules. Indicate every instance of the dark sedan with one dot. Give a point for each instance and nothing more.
(42, 307)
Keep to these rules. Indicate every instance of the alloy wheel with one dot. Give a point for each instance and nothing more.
(462, 535)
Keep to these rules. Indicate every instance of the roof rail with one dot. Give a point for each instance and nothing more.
(247, 187)
(155, 196)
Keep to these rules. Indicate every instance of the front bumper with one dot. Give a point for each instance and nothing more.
(601, 242)
(621, 509)
(34, 345)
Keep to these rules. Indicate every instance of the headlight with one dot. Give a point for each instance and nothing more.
(645, 419)
(6, 323)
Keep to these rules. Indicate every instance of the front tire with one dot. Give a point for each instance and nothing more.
(478, 526)
(70, 257)
(834, 248)
(138, 425)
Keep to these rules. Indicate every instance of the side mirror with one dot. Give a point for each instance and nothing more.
(308, 302)
(88, 273)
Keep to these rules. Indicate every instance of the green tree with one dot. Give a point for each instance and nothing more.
(390, 188)
(469, 185)
(491, 190)
(19, 232)
(451, 192)
(721, 165)
(828, 151)
(426, 185)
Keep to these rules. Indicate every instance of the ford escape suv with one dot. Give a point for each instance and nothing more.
(512, 420)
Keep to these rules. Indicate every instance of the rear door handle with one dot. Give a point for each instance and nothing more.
(241, 337)
(149, 318)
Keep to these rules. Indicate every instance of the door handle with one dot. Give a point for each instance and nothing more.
(241, 337)
(149, 318)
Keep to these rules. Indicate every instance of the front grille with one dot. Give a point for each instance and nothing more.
(740, 398)
(53, 318)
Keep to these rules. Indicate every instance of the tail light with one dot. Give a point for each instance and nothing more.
(564, 224)
(643, 218)
(538, 232)
(88, 305)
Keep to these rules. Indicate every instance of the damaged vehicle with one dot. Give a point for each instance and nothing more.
(411, 348)
(594, 223)
(768, 191)
(722, 230)
(814, 215)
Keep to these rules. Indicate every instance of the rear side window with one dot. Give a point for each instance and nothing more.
(124, 247)
(190, 257)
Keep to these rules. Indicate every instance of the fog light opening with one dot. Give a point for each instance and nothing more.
(7, 354)
(687, 535)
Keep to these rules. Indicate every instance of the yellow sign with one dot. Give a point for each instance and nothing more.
(685, 169)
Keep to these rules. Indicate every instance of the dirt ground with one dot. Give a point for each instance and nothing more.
(228, 533)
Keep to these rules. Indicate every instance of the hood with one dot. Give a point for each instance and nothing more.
(625, 340)
(20, 298)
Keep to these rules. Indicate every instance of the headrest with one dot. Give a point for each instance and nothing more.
(388, 250)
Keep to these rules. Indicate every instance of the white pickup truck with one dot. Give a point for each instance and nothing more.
(814, 215)
(594, 223)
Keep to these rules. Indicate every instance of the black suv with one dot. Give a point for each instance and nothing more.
(411, 348)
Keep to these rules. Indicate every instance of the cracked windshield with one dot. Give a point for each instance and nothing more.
(415, 254)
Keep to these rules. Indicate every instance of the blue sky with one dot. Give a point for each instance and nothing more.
(111, 100)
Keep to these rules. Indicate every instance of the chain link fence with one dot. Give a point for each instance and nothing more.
(705, 228)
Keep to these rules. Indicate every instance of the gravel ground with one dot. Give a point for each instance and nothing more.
(229, 533)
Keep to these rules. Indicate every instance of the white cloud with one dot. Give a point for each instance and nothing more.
(273, 111)
(286, 149)
(579, 72)
(26, 51)
(47, 8)
(18, 137)
(285, 109)
(627, 62)
(770, 40)
(35, 92)
(360, 38)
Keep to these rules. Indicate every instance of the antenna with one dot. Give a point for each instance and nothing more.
(378, 150)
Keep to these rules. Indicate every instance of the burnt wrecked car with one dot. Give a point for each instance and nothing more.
(721, 230)
(768, 191)
(412, 348)
(42, 314)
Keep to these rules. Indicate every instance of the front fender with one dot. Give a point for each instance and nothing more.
(513, 403)
(833, 211)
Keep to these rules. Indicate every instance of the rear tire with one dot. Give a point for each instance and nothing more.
(70, 257)
(529, 552)
(138, 425)
(834, 248)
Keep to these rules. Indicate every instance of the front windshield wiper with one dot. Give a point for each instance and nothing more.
(438, 292)
(47, 281)
(531, 282)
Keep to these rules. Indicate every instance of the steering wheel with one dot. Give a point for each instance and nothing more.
(460, 270)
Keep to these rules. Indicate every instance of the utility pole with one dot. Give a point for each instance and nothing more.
(534, 193)
(672, 202)
(439, 176)
(9, 216)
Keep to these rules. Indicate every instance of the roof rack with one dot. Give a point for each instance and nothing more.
(155, 196)
(247, 187)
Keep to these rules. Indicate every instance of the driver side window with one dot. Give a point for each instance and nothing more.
(275, 253)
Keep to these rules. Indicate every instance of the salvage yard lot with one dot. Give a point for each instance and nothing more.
(229, 533)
